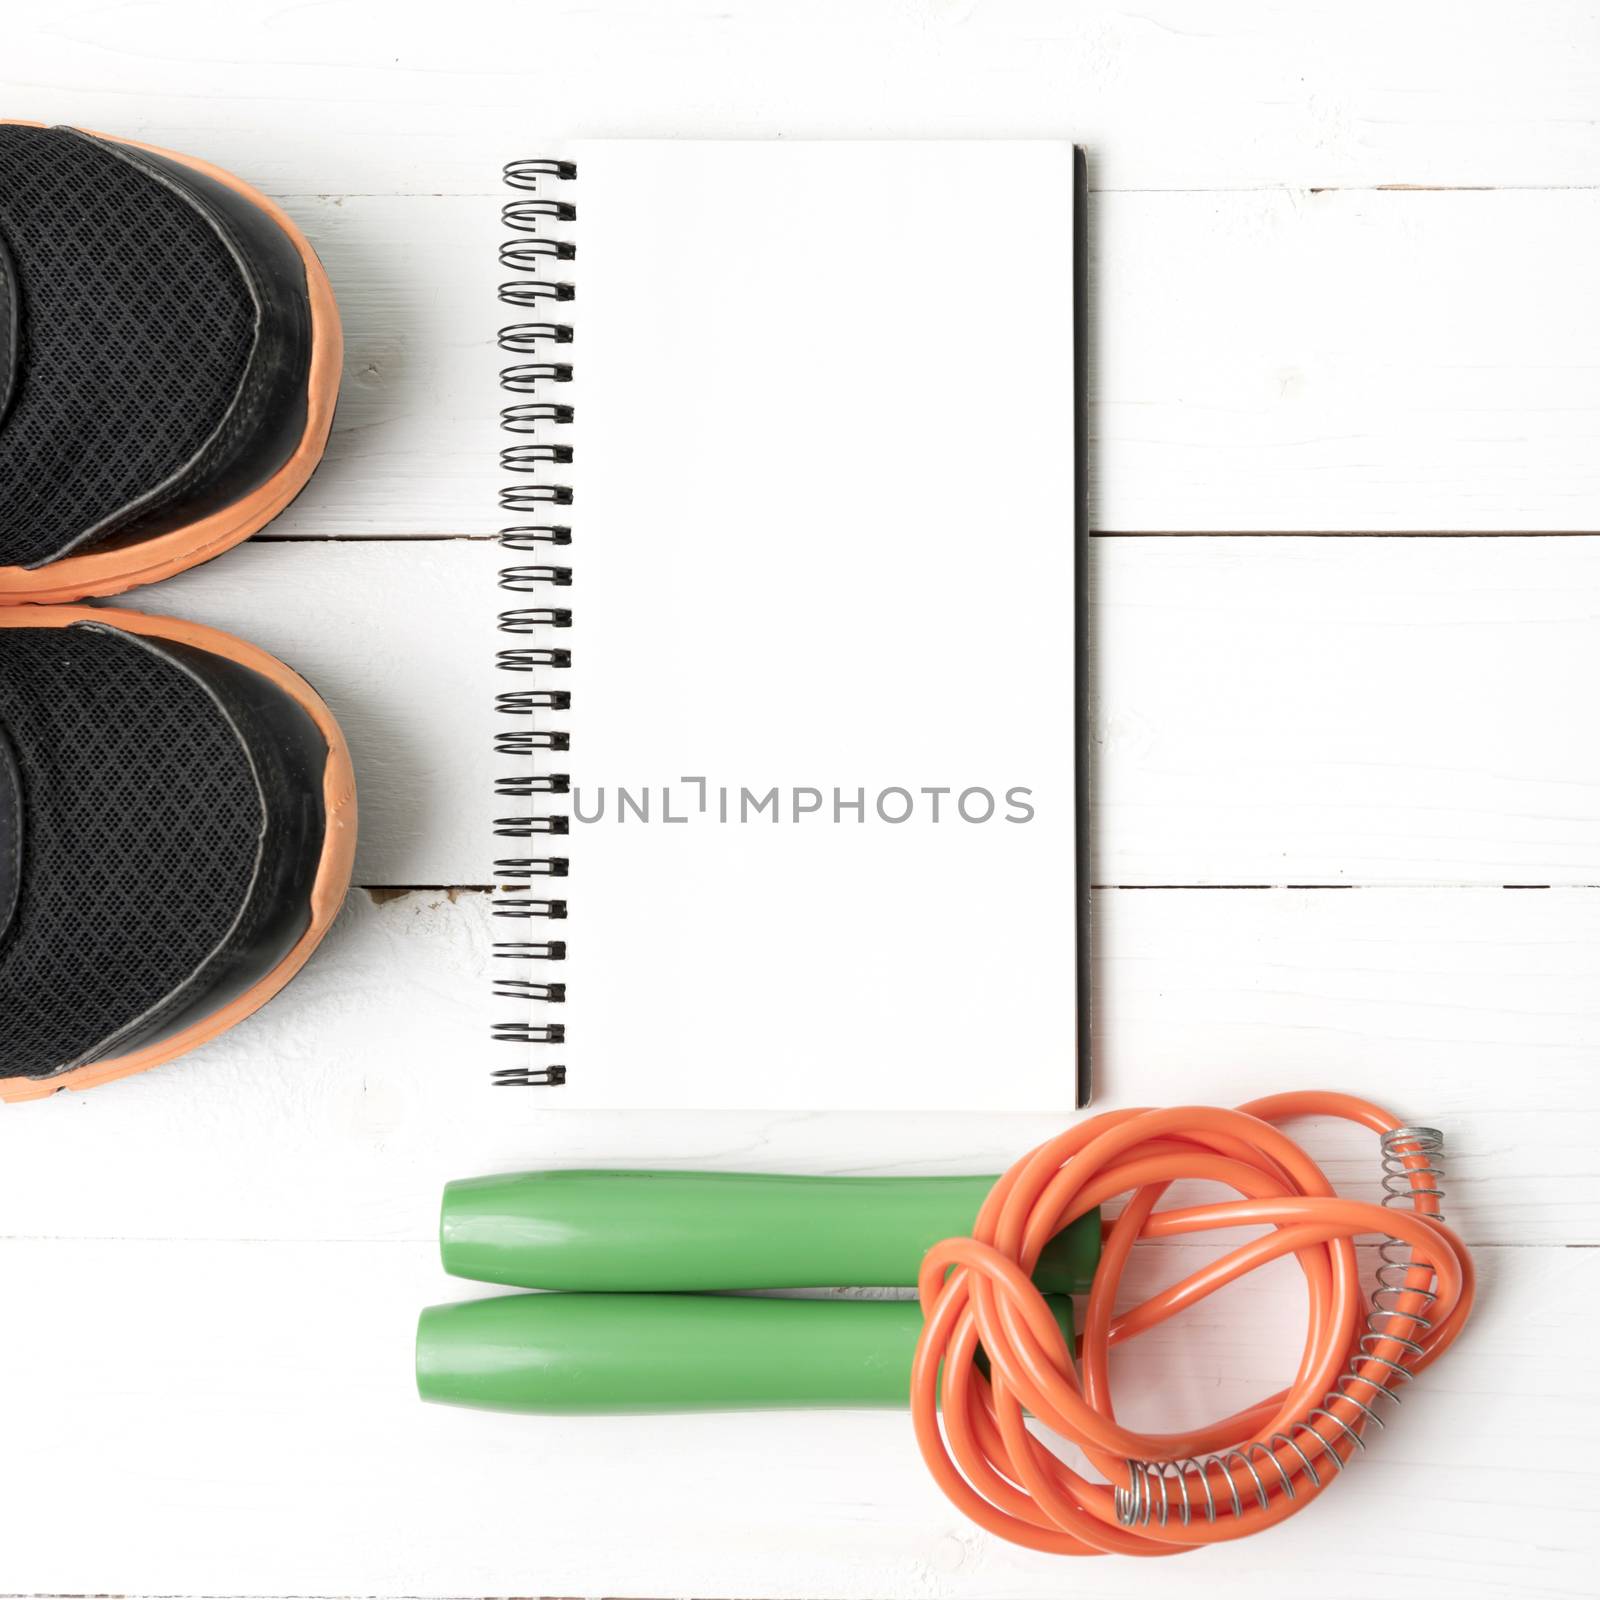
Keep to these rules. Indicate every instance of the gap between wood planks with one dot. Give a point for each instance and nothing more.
(1099, 533)
(428, 1242)
(382, 892)
(327, 197)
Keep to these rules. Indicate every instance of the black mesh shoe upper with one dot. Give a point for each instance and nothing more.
(169, 832)
(159, 349)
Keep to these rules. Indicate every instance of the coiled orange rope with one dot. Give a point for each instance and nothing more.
(1163, 1493)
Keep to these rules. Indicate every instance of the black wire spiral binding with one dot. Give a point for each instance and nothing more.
(535, 219)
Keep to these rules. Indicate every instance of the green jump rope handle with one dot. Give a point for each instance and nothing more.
(574, 1354)
(722, 1230)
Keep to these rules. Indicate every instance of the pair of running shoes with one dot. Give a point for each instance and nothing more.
(177, 807)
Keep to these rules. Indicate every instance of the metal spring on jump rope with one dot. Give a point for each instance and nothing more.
(1228, 1482)
(538, 224)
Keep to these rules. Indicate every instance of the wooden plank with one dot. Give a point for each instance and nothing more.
(1270, 711)
(343, 1108)
(225, 1418)
(1346, 711)
(1307, 361)
(357, 97)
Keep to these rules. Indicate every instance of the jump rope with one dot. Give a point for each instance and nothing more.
(645, 1320)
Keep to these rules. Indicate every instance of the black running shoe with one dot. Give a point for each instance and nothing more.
(169, 362)
(177, 826)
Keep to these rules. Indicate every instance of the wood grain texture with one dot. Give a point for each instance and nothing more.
(342, 1109)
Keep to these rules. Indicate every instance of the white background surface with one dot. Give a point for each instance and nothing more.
(1343, 285)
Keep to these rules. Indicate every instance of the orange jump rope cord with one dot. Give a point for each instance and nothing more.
(1165, 1493)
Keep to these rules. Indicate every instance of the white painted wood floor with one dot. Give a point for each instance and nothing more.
(1348, 787)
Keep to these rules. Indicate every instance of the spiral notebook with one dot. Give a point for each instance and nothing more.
(792, 627)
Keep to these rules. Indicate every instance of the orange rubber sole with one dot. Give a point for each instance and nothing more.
(108, 572)
(334, 867)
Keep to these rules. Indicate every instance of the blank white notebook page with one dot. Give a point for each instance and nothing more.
(822, 847)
